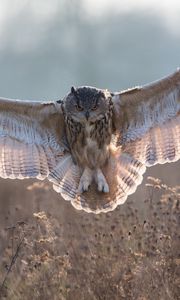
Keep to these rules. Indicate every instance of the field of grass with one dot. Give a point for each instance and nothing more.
(48, 250)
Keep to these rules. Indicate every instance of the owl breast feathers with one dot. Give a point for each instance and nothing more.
(94, 145)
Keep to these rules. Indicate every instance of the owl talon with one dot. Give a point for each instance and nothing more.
(106, 188)
(85, 181)
(101, 182)
(83, 187)
(103, 187)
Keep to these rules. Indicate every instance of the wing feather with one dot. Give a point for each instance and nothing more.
(160, 144)
(147, 121)
(31, 138)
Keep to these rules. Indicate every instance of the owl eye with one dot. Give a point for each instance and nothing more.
(79, 108)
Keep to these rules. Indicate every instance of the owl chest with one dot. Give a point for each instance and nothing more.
(90, 145)
(92, 152)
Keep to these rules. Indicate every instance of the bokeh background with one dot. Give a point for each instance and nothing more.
(46, 46)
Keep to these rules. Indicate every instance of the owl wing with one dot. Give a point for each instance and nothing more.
(31, 138)
(147, 131)
(147, 121)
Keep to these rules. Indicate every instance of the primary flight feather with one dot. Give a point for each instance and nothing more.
(93, 145)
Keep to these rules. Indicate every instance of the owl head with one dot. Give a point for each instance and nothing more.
(87, 104)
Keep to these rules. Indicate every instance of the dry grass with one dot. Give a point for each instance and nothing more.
(132, 254)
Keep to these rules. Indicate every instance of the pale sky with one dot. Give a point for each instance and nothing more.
(47, 43)
(23, 23)
(167, 10)
(45, 10)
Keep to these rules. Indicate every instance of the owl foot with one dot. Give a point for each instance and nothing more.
(85, 180)
(101, 182)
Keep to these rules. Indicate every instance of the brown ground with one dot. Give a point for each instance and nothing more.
(131, 253)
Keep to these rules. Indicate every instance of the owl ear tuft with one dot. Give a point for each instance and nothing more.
(73, 90)
(75, 93)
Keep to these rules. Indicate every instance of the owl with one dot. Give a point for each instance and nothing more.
(94, 145)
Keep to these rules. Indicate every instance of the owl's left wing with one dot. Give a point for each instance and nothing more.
(147, 121)
(31, 138)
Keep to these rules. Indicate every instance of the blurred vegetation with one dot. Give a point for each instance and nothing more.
(125, 257)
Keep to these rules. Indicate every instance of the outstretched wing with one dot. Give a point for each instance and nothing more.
(31, 138)
(147, 121)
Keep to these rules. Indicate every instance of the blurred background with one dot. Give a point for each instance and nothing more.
(46, 46)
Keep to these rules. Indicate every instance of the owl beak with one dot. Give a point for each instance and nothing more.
(87, 115)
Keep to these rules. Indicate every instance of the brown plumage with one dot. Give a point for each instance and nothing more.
(89, 141)
(94, 145)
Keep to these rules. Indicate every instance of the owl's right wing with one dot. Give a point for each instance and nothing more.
(147, 131)
(147, 121)
(31, 138)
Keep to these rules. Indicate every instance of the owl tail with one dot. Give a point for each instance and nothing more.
(123, 174)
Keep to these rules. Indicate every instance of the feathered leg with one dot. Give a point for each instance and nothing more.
(101, 181)
(85, 180)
